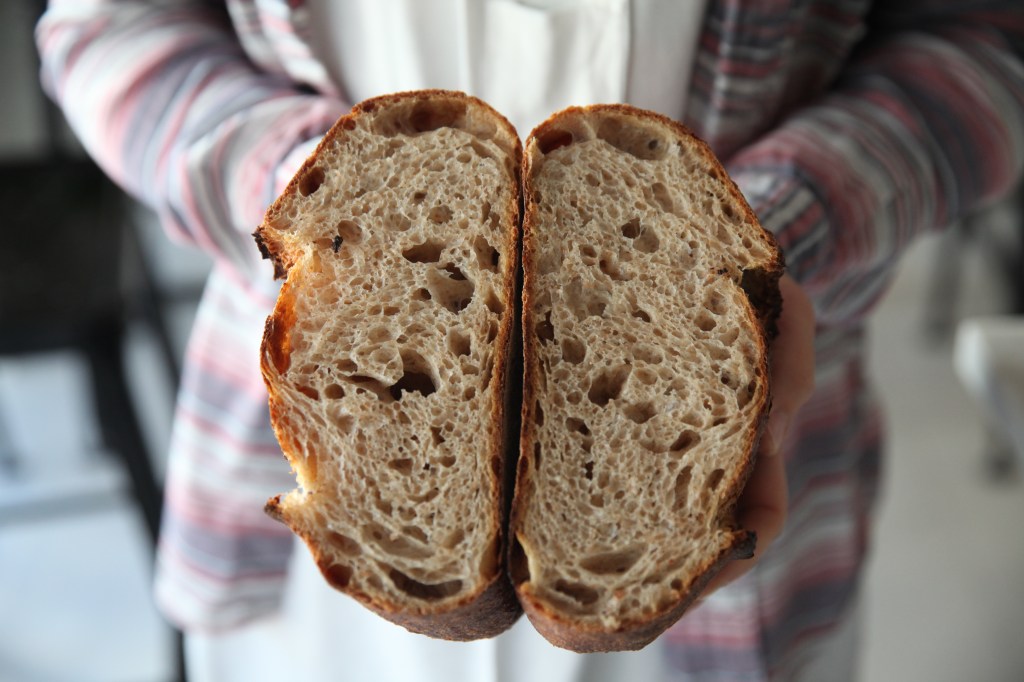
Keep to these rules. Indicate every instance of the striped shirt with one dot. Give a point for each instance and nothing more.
(851, 129)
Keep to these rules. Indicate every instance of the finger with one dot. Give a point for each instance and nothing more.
(792, 363)
(762, 509)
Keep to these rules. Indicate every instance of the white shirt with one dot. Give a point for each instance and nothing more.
(526, 58)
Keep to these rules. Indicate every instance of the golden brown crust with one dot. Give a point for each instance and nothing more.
(764, 306)
(492, 608)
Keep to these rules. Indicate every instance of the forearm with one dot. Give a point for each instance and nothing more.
(164, 98)
(924, 125)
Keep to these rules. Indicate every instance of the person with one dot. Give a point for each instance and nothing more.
(851, 127)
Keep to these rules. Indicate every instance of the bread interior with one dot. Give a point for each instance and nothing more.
(646, 363)
(385, 354)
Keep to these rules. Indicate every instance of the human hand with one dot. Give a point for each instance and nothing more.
(762, 506)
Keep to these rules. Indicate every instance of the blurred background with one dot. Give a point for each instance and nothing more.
(95, 307)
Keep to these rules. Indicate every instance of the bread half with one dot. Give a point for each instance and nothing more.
(386, 357)
(649, 294)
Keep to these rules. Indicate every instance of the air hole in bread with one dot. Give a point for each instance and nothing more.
(588, 470)
(487, 371)
(573, 351)
(584, 301)
(686, 440)
(641, 315)
(648, 241)
(339, 575)
(662, 197)
(450, 288)
(552, 139)
(308, 391)
(434, 114)
(349, 232)
(577, 425)
(681, 489)
(588, 254)
(379, 334)
(492, 331)
(427, 252)
(344, 423)
(344, 543)
(439, 214)
(402, 465)
(643, 237)
(652, 445)
(518, 565)
(714, 479)
(745, 394)
(416, 533)
(705, 322)
(608, 385)
(334, 392)
(429, 494)
(455, 273)
(425, 591)
(311, 180)
(641, 413)
(612, 563)
(640, 141)
(582, 594)
(459, 344)
(537, 454)
(545, 330)
(693, 419)
(592, 180)
(487, 257)
(454, 539)
(397, 545)
(647, 353)
(538, 414)
(421, 294)
(493, 303)
(610, 267)
(416, 377)
(647, 377)
(413, 382)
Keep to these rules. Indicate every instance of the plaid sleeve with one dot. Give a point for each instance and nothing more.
(163, 96)
(925, 124)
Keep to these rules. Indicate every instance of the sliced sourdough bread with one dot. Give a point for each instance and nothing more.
(386, 357)
(650, 291)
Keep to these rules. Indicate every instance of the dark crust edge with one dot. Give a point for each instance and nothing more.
(765, 304)
(493, 608)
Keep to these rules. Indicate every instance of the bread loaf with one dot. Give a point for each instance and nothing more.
(387, 353)
(649, 294)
